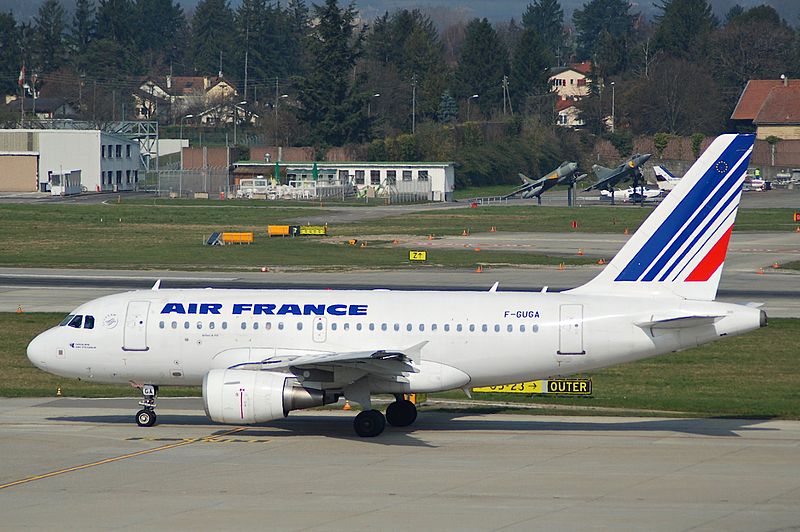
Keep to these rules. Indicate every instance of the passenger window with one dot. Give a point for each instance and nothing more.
(333, 326)
(76, 322)
(383, 326)
(255, 325)
(421, 327)
(268, 325)
(161, 325)
(211, 325)
(458, 327)
(185, 324)
(534, 328)
(88, 322)
(408, 326)
(521, 328)
(224, 325)
(346, 326)
(280, 326)
(510, 328)
(174, 324)
(471, 327)
(371, 326)
(433, 327)
(396, 326)
(199, 325)
(300, 325)
(244, 326)
(484, 327)
(358, 326)
(446, 327)
(496, 328)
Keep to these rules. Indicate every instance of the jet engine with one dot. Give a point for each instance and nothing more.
(245, 397)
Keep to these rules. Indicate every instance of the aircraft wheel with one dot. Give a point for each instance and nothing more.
(369, 423)
(401, 413)
(145, 418)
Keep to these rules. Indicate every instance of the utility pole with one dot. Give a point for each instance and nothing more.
(276, 111)
(414, 104)
(506, 96)
(246, 53)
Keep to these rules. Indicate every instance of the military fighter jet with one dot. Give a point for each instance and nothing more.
(627, 171)
(534, 188)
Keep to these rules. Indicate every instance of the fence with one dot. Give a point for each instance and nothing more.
(185, 183)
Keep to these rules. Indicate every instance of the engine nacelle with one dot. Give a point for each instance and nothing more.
(246, 397)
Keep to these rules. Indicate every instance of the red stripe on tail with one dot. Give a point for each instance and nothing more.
(713, 260)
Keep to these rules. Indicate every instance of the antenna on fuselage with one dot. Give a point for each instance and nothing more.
(157, 285)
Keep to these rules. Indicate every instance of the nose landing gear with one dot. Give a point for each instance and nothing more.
(146, 417)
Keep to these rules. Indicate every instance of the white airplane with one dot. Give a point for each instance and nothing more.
(259, 354)
(631, 194)
(664, 178)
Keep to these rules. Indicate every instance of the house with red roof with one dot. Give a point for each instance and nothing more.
(772, 106)
(174, 96)
(571, 84)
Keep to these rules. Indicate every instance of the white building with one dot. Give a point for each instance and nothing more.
(433, 181)
(107, 163)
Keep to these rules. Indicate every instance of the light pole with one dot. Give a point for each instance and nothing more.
(612, 106)
(182, 119)
(278, 99)
(369, 104)
(236, 118)
(468, 101)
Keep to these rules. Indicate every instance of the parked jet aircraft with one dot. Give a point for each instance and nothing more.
(259, 354)
(534, 188)
(664, 178)
(627, 171)
(638, 194)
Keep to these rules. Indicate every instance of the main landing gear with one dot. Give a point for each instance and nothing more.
(146, 417)
(370, 423)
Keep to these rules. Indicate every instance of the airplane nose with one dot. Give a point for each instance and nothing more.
(37, 352)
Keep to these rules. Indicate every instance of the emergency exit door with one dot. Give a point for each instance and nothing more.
(135, 336)
(570, 330)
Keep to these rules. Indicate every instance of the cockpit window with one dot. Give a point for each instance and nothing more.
(88, 322)
(66, 320)
(76, 321)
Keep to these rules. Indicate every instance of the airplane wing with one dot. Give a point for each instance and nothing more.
(529, 184)
(378, 362)
(607, 181)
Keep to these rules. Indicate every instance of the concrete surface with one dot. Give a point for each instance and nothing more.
(448, 472)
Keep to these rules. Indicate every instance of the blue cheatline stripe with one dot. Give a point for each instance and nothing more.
(695, 221)
(683, 211)
(710, 235)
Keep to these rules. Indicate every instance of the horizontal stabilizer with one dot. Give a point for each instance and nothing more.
(678, 322)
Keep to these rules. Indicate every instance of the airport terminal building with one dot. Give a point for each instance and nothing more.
(37, 159)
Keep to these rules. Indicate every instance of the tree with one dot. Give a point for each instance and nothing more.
(331, 101)
(9, 53)
(683, 27)
(212, 34)
(547, 18)
(529, 68)
(448, 108)
(159, 25)
(82, 32)
(114, 21)
(482, 63)
(49, 29)
(598, 16)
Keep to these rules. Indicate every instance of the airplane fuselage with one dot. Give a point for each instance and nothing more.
(175, 337)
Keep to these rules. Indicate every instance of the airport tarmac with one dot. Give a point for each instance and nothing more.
(83, 464)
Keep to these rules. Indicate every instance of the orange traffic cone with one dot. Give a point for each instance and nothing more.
(58, 391)
(347, 405)
(775, 266)
(477, 249)
(19, 309)
(561, 266)
(493, 229)
(626, 232)
(430, 237)
(760, 271)
(601, 262)
(797, 229)
(465, 233)
(363, 244)
(479, 269)
(395, 241)
(580, 251)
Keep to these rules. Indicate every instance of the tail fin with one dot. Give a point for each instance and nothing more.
(679, 249)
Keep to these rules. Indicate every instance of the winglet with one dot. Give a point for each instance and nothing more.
(415, 352)
(157, 285)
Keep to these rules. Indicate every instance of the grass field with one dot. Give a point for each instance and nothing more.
(123, 236)
(754, 375)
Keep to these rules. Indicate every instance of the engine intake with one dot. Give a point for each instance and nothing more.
(246, 397)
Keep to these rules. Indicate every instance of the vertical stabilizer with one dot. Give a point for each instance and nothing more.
(680, 248)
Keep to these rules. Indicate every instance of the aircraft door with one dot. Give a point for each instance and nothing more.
(570, 330)
(135, 336)
(320, 329)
